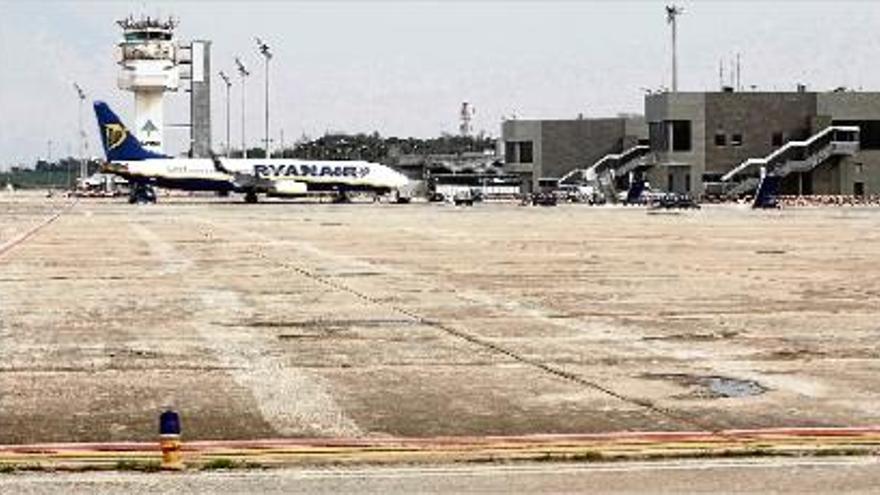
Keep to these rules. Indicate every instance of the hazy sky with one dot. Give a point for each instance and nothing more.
(404, 67)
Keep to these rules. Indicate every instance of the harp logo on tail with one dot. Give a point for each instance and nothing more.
(116, 134)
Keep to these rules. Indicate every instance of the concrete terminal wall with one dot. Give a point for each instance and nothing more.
(761, 122)
(560, 146)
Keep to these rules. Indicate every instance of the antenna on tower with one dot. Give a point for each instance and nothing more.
(672, 12)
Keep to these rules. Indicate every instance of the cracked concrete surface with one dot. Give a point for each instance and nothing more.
(300, 319)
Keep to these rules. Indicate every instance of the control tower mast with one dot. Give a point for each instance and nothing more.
(465, 114)
(148, 67)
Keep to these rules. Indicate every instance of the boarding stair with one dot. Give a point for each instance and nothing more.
(794, 156)
(603, 173)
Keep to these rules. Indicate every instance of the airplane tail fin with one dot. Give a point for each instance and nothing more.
(119, 143)
(634, 194)
(768, 189)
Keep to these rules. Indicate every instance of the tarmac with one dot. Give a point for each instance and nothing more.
(379, 321)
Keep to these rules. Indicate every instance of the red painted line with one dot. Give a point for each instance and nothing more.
(10, 244)
(447, 442)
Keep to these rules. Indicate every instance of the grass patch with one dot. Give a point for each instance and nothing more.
(843, 451)
(588, 456)
(137, 465)
(221, 463)
(226, 463)
(17, 468)
(585, 456)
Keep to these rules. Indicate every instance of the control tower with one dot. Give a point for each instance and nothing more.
(149, 66)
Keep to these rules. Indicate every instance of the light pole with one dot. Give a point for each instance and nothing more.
(82, 162)
(243, 72)
(228, 85)
(672, 12)
(267, 55)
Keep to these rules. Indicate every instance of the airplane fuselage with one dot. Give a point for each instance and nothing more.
(272, 176)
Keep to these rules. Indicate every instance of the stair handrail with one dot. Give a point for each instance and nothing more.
(787, 147)
(624, 155)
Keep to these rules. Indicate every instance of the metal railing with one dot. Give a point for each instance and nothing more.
(611, 161)
(835, 139)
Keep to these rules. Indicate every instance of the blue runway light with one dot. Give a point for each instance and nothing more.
(169, 423)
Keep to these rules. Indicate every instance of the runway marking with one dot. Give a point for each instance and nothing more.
(172, 261)
(292, 400)
(16, 241)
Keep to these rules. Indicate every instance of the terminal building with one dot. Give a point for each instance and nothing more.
(699, 138)
(816, 142)
(550, 149)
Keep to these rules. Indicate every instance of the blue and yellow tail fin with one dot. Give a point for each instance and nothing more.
(768, 190)
(119, 143)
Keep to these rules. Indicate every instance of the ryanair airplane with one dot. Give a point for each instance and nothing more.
(145, 170)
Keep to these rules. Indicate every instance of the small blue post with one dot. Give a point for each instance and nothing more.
(169, 423)
(169, 440)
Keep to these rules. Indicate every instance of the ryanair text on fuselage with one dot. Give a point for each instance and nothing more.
(291, 170)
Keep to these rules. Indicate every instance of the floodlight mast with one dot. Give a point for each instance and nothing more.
(267, 55)
(243, 72)
(672, 12)
(83, 170)
(228, 83)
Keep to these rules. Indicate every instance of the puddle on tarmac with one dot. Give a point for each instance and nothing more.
(733, 387)
(712, 387)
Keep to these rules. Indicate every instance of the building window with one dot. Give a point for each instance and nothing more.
(681, 135)
(671, 178)
(510, 152)
(658, 136)
(777, 139)
(720, 139)
(518, 152)
(858, 168)
(687, 182)
(736, 140)
(525, 152)
(869, 135)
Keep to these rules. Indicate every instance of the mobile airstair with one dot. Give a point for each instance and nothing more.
(794, 156)
(603, 173)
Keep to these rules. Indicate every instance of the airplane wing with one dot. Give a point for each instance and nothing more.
(242, 181)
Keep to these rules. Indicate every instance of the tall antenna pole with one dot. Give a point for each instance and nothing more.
(228, 85)
(83, 170)
(243, 72)
(738, 82)
(721, 74)
(672, 12)
(264, 51)
(732, 73)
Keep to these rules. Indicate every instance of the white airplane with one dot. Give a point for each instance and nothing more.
(144, 170)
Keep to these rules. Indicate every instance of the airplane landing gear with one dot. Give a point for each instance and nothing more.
(141, 194)
(250, 197)
(341, 197)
